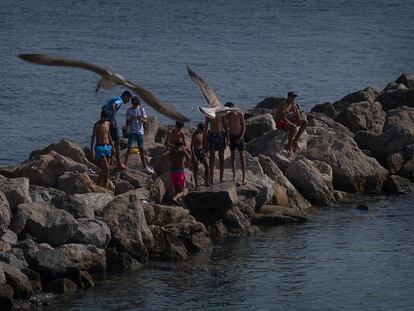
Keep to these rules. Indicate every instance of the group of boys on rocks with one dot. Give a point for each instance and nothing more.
(211, 136)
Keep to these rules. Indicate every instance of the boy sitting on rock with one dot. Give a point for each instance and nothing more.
(177, 156)
(101, 147)
(199, 154)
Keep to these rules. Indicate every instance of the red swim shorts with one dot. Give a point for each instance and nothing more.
(178, 179)
(283, 125)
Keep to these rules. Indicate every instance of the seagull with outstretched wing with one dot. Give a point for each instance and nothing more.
(109, 80)
(216, 108)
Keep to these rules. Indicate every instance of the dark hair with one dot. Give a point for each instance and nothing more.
(179, 124)
(135, 99)
(126, 93)
(178, 143)
(229, 104)
(200, 126)
(104, 114)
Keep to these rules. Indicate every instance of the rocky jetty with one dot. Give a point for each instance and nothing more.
(58, 229)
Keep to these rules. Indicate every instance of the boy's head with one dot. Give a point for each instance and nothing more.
(229, 105)
(200, 126)
(104, 115)
(179, 125)
(178, 144)
(135, 101)
(126, 96)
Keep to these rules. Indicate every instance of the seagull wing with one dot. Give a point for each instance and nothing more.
(50, 60)
(156, 103)
(208, 93)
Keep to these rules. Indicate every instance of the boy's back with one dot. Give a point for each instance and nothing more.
(102, 133)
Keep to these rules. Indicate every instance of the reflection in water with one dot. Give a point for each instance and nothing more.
(344, 259)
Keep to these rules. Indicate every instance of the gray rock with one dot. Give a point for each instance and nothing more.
(167, 245)
(72, 183)
(318, 120)
(313, 180)
(94, 232)
(41, 194)
(126, 220)
(10, 237)
(45, 169)
(271, 102)
(353, 171)
(45, 222)
(6, 297)
(236, 222)
(258, 125)
(326, 108)
(273, 215)
(406, 79)
(20, 283)
(16, 191)
(11, 259)
(151, 128)
(363, 116)
(120, 262)
(394, 99)
(398, 185)
(61, 286)
(368, 94)
(161, 134)
(273, 145)
(84, 205)
(160, 215)
(86, 257)
(285, 193)
(5, 213)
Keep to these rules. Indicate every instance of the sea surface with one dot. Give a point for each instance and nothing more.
(246, 50)
(343, 259)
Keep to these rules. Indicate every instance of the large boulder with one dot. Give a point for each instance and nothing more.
(83, 205)
(353, 171)
(5, 214)
(159, 215)
(45, 222)
(72, 183)
(67, 148)
(94, 232)
(273, 145)
(403, 117)
(126, 220)
(326, 108)
(61, 286)
(368, 94)
(16, 191)
(10, 258)
(45, 169)
(49, 262)
(321, 120)
(258, 125)
(41, 194)
(6, 296)
(271, 102)
(285, 193)
(120, 262)
(363, 116)
(17, 280)
(151, 128)
(273, 215)
(210, 204)
(398, 185)
(313, 179)
(397, 98)
(407, 79)
(86, 257)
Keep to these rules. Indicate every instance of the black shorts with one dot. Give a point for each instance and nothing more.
(236, 145)
(113, 130)
(200, 154)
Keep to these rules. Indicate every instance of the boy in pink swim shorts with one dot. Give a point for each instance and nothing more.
(178, 156)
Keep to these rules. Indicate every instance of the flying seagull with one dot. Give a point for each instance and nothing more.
(216, 108)
(108, 81)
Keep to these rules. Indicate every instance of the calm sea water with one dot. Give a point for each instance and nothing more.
(344, 259)
(246, 50)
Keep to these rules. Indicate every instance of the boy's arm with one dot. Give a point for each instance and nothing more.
(167, 139)
(226, 127)
(243, 124)
(143, 118)
(283, 115)
(93, 141)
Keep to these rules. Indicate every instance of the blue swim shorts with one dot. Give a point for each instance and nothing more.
(102, 151)
(138, 138)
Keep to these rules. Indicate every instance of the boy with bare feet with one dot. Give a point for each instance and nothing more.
(287, 119)
(216, 139)
(101, 147)
(235, 129)
(177, 156)
(198, 154)
(135, 120)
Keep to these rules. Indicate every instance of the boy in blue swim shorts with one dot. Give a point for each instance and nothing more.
(135, 120)
(101, 147)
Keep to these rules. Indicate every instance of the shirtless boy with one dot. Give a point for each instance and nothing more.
(199, 154)
(175, 134)
(102, 146)
(216, 139)
(177, 156)
(235, 129)
(287, 118)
